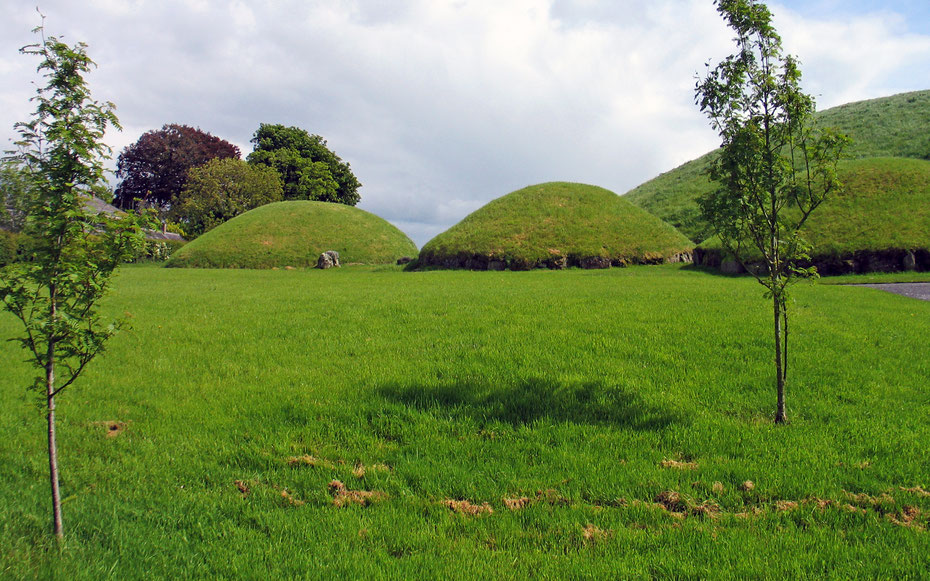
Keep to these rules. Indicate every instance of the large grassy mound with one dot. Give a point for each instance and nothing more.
(880, 222)
(893, 126)
(555, 225)
(295, 234)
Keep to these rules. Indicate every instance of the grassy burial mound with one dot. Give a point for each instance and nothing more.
(893, 126)
(880, 223)
(555, 225)
(295, 234)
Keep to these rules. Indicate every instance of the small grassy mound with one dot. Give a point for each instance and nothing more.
(555, 225)
(295, 234)
(883, 214)
(893, 126)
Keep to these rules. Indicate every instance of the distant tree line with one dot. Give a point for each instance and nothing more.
(199, 181)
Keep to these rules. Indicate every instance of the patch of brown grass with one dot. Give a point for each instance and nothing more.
(467, 507)
(593, 534)
(516, 503)
(243, 487)
(308, 460)
(908, 517)
(342, 496)
(785, 505)
(747, 486)
(290, 498)
(881, 503)
(916, 490)
(679, 464)
(360, 469)
(672, 501)
(551, 496)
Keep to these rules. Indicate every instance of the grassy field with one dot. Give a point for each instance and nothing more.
(542, 424)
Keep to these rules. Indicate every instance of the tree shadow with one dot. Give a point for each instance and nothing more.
(536, 399)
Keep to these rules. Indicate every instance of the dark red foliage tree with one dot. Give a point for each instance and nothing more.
(154, 168)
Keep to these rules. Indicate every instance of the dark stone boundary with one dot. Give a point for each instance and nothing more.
(558, 262)
(858, 262)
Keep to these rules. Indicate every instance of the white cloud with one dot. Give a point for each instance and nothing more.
(441, 106)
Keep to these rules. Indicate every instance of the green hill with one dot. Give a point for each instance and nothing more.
(880, 223)
(895, 126)
(555, 225)
(295, 234)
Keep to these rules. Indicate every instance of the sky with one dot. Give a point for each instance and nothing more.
(443, 105)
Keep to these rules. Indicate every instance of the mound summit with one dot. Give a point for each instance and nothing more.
(294, 234)
(555, 225)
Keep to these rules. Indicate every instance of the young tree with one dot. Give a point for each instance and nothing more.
(154, 168)
(56, 293)
(774, 168)
(309, 170)
(222, 189)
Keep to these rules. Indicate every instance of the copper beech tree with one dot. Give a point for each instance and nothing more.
(55, 293)
(775, 167)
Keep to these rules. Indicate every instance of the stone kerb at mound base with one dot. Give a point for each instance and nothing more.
(557, 262)
(857, 262)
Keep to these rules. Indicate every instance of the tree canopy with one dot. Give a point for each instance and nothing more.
(222, 189)
(308, 168)
(154, 168)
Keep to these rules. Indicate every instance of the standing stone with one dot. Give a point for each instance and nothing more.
(324, 261)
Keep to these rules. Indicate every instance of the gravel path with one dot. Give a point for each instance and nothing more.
(915, 290)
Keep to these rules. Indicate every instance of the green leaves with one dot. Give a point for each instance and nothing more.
(308, 168)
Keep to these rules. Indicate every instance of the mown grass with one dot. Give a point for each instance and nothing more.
(240, 395)
(294, 234)
(544, 221)
(892, 126)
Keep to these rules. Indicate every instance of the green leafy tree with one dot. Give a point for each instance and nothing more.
(775, 167)
(222, 189)
(75, 252)
(16, 195)
(309, 170)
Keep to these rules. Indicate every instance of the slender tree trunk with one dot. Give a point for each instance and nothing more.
(52, 445)
(780, 416)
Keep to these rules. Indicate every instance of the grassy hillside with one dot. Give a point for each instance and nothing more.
(886, 205)
(893, 126)
(295, 234)
(531, 425)
(554, 221)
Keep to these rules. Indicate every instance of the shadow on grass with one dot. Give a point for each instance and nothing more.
(535, 399)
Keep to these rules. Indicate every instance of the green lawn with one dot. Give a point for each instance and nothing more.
(593, 395)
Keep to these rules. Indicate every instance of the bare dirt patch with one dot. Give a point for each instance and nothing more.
(113, 427)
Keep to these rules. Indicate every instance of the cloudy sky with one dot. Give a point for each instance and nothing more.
(443, 105)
